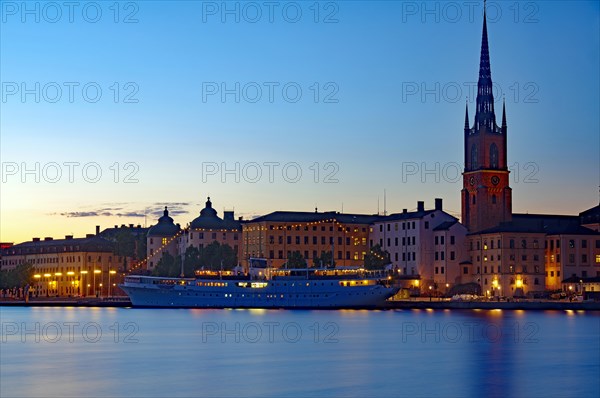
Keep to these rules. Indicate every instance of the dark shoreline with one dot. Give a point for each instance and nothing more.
(390, 305)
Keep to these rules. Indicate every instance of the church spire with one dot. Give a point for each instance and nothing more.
(503, 113)
(467, 115)
(485, 116)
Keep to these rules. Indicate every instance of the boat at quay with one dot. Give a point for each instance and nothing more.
(282, 288)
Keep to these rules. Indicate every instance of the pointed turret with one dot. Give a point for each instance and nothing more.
(467, 116)
(503, 114)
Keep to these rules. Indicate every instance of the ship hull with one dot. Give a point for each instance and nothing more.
(288, 294)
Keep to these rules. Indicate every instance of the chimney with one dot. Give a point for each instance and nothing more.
(97, 229)
(404, 211)
(47, 238)
(439, 204)
(240, 218)
(420, 206)
(35, 239)
(228, 215)
(68, 237)
(89, 235)
(139, 226)
(116, 226)
(130, 225)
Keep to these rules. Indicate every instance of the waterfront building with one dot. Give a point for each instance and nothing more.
(70, 266)
(424, 245)
(513, 254)
(208, 227)
(276, 235)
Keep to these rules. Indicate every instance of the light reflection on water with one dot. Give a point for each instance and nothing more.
(154, 352)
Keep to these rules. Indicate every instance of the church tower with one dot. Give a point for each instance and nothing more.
(486, 194)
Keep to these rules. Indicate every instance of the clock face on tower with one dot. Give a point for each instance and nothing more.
(495, 180)
(472, 181)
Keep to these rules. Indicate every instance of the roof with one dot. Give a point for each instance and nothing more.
(298, 216)
(548, 224)
(446, 225)
(112, 233)
(590, 216)
(165, 226)
(89, 244)
(208, 219)
(408, 215)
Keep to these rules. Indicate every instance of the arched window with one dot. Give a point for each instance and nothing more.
(474, 157)
(493, 156)
(474, 201)
(493, 199)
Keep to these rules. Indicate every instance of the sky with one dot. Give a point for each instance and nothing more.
(110, 111)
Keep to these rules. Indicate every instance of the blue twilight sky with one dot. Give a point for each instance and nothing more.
(169, 94)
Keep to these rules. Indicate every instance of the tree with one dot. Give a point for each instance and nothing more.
(377, 258)
(19, 276)
(191, 261)
(217, 256)
(325, 260)
(125, 243)
(167, 266)
(296, 260)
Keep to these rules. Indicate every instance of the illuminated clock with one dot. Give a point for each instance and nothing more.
(495, 180)
(472, 180)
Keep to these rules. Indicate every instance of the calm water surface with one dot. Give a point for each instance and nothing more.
(73, 352)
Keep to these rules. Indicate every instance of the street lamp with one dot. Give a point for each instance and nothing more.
(37, 277)
(110, 272)
(96, 271)
(71, 273)
(430, 292)
(57, 274)
(47, 284)
(84, 273)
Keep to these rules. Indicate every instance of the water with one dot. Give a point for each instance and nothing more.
(73, 352)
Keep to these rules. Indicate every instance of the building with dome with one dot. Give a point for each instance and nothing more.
(208, 227)
(162, 238)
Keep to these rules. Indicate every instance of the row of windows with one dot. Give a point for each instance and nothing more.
(410, 240)
(405, 226)
(324, 240)
(523, 244)
(314, 228)
(584, 258)
(315, 255)
(512, 257)
(51, 260)
(511, 269)
(441, 256)
(439, 240)
(584, 244)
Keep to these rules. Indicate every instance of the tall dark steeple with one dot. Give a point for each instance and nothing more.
(485, 116)
(486, 194)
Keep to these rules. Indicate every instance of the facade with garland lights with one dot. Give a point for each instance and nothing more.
(276, 235)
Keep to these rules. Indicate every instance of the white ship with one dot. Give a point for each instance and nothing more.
(293, 288)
